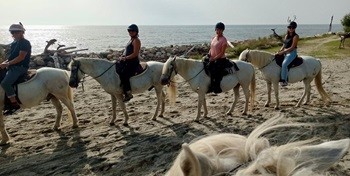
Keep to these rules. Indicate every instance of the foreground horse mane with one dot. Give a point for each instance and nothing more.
(229, 153)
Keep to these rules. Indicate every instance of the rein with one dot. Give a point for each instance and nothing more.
(267, 64)
(176, 74)
(190, 78)
(83, 80)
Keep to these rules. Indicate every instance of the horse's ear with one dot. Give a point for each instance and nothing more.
(189, 162)
(320, 157)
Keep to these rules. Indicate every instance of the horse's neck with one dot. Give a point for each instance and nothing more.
(188, 68)
(94, 67)
(261, 59)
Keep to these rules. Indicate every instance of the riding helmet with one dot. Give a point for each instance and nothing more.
(292, 25)
(16, 27)
(220, 25)
(133, 27)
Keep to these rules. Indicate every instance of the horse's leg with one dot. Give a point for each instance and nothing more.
(268, 85)
(123, 107)
(201, 99)
(5, 136)
(159, 99)
(163, 105)
(236, 93)
(69, 103)
(307, 88)
(205, 114)
(114, 106)
(308, 93)
(275, 87)
(246, 94)
(59, 109)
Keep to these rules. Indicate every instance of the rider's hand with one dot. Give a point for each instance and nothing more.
(4, 65)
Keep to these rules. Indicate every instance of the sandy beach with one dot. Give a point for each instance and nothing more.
(149, 147)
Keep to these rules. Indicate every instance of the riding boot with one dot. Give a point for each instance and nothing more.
(127, 96)
(216, 87)
(12, 108)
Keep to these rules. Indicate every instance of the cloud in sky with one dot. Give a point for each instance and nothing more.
(170, 12)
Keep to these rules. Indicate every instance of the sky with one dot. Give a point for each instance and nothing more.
(170, 12)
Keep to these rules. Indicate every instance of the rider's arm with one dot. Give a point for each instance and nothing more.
(137, 46)
(19, 58)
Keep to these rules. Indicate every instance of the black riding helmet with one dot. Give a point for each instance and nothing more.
(220, 25)
(133, 27)
(292, 24)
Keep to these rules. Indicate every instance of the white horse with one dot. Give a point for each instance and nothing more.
(233, 154)
(193, 72)
(306, 72)
(48, 83)
(104, 72)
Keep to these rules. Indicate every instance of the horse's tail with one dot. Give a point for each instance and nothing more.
(318, 83)
(70, 97)
(172, 92)
(252, 91)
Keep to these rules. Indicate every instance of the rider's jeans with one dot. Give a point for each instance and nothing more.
(13, 73)
(287, 60)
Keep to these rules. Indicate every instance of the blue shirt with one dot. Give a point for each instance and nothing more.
(16, 47)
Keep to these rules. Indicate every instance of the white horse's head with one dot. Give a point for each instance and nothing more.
(169, 71)
(244, 56)
(76, 73)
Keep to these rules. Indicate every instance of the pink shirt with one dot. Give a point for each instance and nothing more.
(216, 46)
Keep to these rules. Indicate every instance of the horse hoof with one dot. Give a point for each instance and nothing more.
(125, 124)
(277, 108)
(56, 128)
(161, 115)
(229, 114)
(196, 120)
(75, 126)
(154, 119)
(266, 105)
(4, 143)
(244, 113)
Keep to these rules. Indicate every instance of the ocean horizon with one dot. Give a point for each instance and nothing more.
(99, 38)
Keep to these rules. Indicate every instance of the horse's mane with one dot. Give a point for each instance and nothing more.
(258, 58)
(86, 59)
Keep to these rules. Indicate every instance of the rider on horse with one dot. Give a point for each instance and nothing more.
(17, 63)
(289, 49)
(217, 58)
(130, 61)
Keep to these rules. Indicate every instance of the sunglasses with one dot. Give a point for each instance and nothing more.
(15, 32)
(131, 31)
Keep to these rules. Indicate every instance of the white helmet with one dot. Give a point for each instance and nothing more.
(17, 27)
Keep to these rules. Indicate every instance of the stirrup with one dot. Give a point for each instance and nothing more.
(127, 97)
(12, 109)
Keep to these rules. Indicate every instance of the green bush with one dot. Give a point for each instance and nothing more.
(346, 22)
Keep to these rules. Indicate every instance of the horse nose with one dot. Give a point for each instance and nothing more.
(164, 80)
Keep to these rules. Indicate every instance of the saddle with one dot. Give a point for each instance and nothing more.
(24, 78)
(227, 67)
(296, 62)
(140, 68)
(216, 71)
